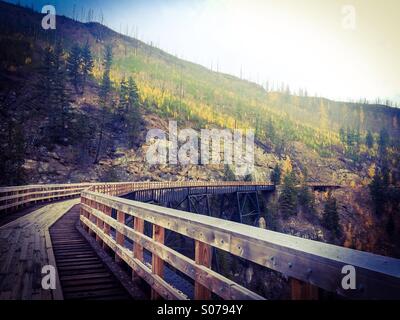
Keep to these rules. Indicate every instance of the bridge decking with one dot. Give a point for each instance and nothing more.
(48, 236)
(25, 246)
(82, 273)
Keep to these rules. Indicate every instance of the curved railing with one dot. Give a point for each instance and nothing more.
(309, 264)
(13, 198)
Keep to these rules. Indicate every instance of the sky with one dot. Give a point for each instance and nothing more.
(344, 50)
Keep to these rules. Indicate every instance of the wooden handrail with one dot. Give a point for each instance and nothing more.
(311, 262)
(12, 198)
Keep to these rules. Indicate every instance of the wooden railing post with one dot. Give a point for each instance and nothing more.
(100, 223)
(203, 254)
(119, 237)
(106, 226)
(302, 290)
(138, 249)
(157, 264)
(92, 204)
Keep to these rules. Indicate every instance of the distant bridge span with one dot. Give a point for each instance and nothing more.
(103, 214)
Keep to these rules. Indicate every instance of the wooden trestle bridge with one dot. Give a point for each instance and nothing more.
(75, 227)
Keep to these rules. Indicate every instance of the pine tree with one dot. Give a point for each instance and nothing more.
(53, 97)
(270, 131)
(276, 175)
(306, 198)
(12, 139)
(350, 137)
(133, 94)
(123, 105)
(133, 115)
(87, 64)
(104, 94)
(369, 140)
(74, 66)
(376, 187)
(229, 175)
(342, 135)
(105, 87)
(288, 197)
(44, 86)
(383, 141)
(60, 113)
(330, 215)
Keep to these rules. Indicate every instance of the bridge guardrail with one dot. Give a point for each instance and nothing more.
(310, 264)
(12, 198)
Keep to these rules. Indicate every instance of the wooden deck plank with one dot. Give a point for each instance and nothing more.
(25, 250)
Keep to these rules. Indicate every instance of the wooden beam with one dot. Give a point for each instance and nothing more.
(119, 237)
(303, 291)
(138, 225)
(157, 264)
(99, 222)
(203, 254)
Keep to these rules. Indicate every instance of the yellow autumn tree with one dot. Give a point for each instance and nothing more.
(371, 170)
(287, 166)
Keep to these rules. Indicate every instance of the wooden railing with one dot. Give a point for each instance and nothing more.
(12, 198)
(309, 264)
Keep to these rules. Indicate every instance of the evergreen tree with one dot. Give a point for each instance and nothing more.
(270, 130)
(357, 137)
(379, 189)
(369, 140)
(44, 86)
(383, 141)
(74, 66)
(53, 97)
(87, 64)
(306, 198)
(105, 87)
(342, 135)
(288, 197)
(133, 98)
(276, 175)
(12, 141)
(104, 97)
(350, 137)
(123, 105)
(330, 215)
(228, 173)
(133, 115)
(60, 115)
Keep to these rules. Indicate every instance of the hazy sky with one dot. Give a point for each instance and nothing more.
(313, 44)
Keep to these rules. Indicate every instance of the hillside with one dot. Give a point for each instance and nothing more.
(319, 139)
